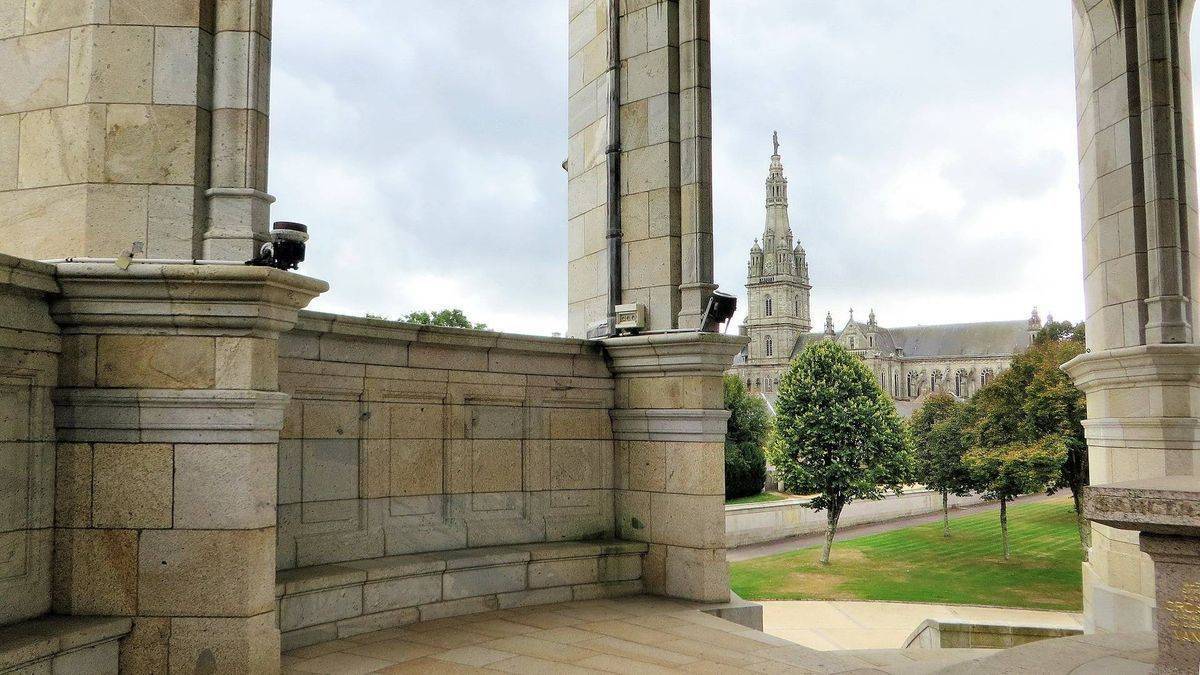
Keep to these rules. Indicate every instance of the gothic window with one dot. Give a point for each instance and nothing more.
(770, 306)
(769, 342)
(796, 306)
(986, 377)
(871, 340)
(960, 383)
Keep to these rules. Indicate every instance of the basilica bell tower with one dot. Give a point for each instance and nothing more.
(777, 283)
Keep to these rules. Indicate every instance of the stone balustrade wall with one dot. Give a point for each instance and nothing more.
(404, 439)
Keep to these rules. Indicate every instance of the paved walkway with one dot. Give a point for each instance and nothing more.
(839, 625)
(627, 635)
(856, 531)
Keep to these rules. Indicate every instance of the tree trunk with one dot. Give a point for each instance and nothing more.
(945, 514)
(1085, 528)
(1004, 524)
(832, 516)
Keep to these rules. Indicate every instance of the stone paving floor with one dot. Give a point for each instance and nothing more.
(838, 625)
(628, 635)
(644, 634)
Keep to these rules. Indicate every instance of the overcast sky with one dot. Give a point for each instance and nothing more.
(930, 147)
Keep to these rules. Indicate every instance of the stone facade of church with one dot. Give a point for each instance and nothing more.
(908, 362)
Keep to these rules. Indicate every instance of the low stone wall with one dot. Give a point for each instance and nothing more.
(405, 439)
(747, 524)
(934, 634)
(330, 602)
(29, 349)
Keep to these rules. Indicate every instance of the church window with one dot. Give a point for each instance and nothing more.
(796, 306)
(871, 340)
(770, 306)
(986, 377)
(851, 343)
(770, 345)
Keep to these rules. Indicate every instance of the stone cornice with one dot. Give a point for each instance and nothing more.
(180, 299)
(1168, 505)
(672, 353)
(1144, 364)
(684, 426)
(169, 415)
(28, 276)
(319, 323)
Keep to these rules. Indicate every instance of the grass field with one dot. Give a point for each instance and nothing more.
(760, 497)
(918, 564)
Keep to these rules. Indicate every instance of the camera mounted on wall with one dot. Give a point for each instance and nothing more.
(285, 251)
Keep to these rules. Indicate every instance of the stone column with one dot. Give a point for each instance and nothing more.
(1137, 181)
(669, 424)
(666, 161)
(238, 204)
(1166, 512)
(168, 417)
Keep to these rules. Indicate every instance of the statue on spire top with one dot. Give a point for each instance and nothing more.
(775, 140)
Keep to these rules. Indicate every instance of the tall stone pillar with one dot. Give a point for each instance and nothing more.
(168, 416)
(669, 424)
(108, 133)
(665, 189)
(1138, 187)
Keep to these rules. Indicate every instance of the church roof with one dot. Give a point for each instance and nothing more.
(988, 338)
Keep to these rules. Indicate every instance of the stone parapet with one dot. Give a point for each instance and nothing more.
(669, 423)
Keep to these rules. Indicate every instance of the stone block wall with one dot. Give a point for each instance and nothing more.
(116, 118)
(29, 348)
(403, 439)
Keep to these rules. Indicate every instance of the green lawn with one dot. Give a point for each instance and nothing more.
(918, 564)
(760, 497)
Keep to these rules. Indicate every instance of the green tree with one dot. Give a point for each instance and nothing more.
(452, 318)
(745, 437)
(837, 435)
(939, 439)
(1034, 400)
(1009, 471)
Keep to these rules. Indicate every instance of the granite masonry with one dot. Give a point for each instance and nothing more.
(197, 474)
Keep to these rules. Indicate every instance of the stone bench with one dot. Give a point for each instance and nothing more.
(328, 602)
(62, 644)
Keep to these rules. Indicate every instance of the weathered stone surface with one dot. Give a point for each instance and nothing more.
(146, 648)
(132, 485)
(96, 572)
(467, 583)
(36, 68)
(233, 645)
(318, 607)
(402, 592)
(164, 362)
(224, 486)
(206, 572)
(95, 48)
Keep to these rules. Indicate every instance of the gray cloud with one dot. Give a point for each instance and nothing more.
(930, 147)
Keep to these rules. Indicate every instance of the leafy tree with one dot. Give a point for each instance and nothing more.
(745, 437)
(1009, 471)
(1034, 400)
(940, 439)
(837, 435)
(452, 318)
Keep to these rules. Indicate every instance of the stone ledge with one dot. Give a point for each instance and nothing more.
(673, 353)
(29, 644)
(169, 415)
(1169, 505)
(329, 602)
(681, 426)
(935, 634)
